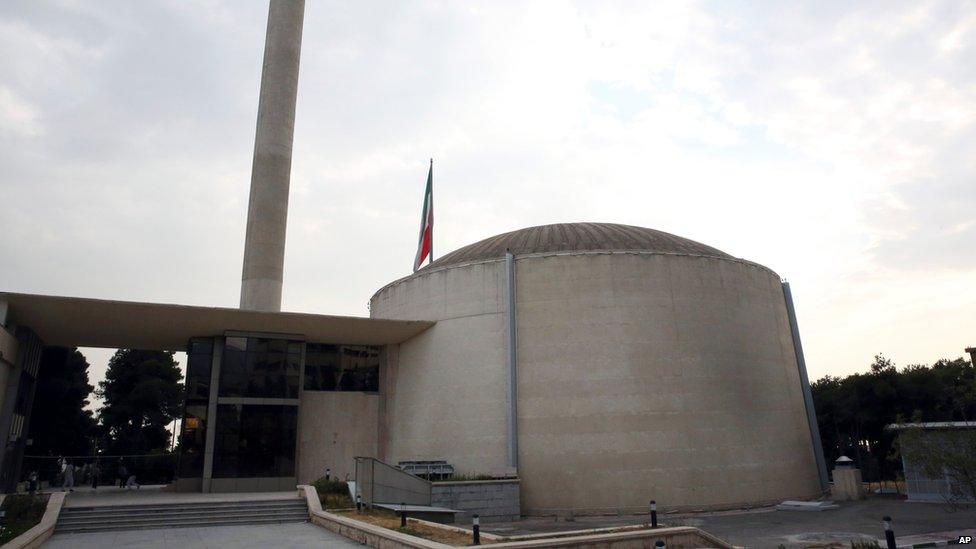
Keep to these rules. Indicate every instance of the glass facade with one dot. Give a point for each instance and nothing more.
(260, 368)
(254, 437)
(193, 435)
(342, 368)
(255, 440)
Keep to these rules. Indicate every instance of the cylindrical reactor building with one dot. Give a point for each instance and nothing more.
(649, 366)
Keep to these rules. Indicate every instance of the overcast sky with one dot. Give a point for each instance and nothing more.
(833, 144)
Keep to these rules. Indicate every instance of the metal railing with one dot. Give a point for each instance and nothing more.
(378, 482)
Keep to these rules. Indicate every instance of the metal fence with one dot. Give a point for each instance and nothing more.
(103, 470)
(378, 482)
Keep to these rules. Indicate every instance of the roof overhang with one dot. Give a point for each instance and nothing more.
(82, 322)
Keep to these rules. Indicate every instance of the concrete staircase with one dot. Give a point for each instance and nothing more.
(180, 515)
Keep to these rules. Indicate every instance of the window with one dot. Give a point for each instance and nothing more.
(260, 368)
(342, 368)
(199, 362)
(255, 441)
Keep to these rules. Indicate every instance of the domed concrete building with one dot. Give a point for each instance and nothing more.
(643, 366)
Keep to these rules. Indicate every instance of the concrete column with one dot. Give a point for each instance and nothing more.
(801, 364)
(267, 211)
(512, 364)
(211, 435)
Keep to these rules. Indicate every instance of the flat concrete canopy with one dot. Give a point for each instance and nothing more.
(82, 322)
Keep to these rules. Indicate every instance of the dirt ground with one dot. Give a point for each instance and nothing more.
(387, 519)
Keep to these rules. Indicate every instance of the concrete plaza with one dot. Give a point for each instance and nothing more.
(281, 536)
(770, 528)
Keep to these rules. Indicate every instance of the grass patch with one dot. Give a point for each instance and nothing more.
(21, 513)
(333, 493)
(391, 521)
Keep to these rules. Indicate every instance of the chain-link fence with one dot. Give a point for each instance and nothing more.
(102, 470)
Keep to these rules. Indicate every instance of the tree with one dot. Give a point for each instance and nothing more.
(143, 394)
(852, 412)
(60, 425)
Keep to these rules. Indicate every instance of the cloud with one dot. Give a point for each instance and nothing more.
(832, 143)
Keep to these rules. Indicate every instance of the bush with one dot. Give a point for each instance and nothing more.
(333, 493)
(330, 486)
(865, 545)
(22, 512)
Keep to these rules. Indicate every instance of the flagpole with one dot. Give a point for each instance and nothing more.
(431, 210)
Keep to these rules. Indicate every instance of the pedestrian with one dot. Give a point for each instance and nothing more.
(94, 475)
(328, 473)
(69, 478)
(32, 482)
(123, 474)
(131, 482)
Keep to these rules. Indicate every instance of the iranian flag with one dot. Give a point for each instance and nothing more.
(425, 244)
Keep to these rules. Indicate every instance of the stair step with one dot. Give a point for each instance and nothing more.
(178, 524)
(180, 515)
(207, 505)
(170, 518)
(120, 511)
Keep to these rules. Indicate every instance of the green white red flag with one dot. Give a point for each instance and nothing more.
(425, 244)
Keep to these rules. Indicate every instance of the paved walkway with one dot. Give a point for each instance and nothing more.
(279, 536)
(770, 528)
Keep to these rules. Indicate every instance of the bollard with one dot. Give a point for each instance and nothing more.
(403, 515)
(659, 544)
(653, 514)
(359, 503)
(889, 534)
(476, 529)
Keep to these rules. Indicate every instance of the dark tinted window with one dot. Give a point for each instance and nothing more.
(342, 368)
(255, 441)
(260, 368)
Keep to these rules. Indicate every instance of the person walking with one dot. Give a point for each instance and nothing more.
(123, 474)
(69, 477)
(32, 482)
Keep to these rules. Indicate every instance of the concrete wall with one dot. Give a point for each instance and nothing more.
(492, 500)
(333, 428)
(444, 398)
(641, 376)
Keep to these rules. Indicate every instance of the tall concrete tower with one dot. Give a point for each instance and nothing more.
(267, 210)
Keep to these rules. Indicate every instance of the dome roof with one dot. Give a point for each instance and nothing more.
(577, 237)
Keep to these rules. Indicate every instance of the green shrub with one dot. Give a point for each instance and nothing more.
(461, 477)
(865, 544)
(333, 494)
(331, 486)
(21, 513)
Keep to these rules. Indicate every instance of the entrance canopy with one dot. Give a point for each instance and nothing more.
(82, 322)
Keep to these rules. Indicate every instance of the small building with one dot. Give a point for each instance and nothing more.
(949, 442)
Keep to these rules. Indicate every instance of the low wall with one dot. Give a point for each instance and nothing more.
(492, 500)
(684, 537)
(36, 536)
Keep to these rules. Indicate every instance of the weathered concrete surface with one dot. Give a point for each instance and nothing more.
(491, 500)
(267, 211)
(263, 536)
(641, 376)
(333, 428)
(445, 398)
